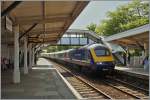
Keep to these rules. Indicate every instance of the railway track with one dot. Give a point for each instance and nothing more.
(145, 91)
(124, 88)
(89, 90)
(86, 90)
(140, 83)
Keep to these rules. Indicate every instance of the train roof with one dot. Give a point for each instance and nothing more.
(63, 51)
(89, 46)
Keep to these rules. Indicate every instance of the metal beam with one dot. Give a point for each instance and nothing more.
(25, 33)
(37, 32)
(141, 40)
(53, 41)
(10, 8)
(47, 29)
(123, 43)
(79, 7)
(37, 38)
(42, 21)
(140, 45)
(132, 32)
(41, 39)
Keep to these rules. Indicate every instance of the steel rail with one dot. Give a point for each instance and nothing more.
(82, 80)
(109, 83)
(131, 85)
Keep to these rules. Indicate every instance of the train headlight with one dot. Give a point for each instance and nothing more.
(99, 63)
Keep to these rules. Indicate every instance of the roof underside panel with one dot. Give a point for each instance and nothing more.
(139, 35)
(53, 18)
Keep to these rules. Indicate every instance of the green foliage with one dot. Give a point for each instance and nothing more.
(135, 23)
(137, 52)
(91, 27)
(125, 17)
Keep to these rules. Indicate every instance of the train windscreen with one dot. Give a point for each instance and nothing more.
(102, 52)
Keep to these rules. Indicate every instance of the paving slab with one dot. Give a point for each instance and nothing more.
(138, 72)
(42, 82)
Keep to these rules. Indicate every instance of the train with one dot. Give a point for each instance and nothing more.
(94, 57)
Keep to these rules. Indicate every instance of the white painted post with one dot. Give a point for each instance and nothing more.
(25, 56)
(134, 61)
(16, 73)
(142, 57)
(146, 49)
(33, 57)
(30, 56)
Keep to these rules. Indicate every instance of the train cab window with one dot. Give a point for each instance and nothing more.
(102, 52)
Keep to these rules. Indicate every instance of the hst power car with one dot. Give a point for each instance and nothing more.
(95, 57)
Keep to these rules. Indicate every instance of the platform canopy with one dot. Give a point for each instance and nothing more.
(42, 21)
(134, 37)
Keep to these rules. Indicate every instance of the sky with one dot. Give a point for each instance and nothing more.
(95, 12)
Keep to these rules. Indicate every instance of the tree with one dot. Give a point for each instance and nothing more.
(125, 17)
(91, 27)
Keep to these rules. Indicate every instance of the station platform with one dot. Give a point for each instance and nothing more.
(42, 82)
(137, 72)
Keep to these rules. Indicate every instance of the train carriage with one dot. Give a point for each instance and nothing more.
(96, 57)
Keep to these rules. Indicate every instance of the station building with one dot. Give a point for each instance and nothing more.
(26, 24)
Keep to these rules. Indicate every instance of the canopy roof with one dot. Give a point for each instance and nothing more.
(137, 36)
(45, 21)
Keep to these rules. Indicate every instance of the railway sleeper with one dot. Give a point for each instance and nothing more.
(81, 86)
(139, 94)
(131, 91)
(81, 90)
(132, 85)
(88, 92)
(89, 95)
(96, 97)
(84, 88)
(74, 80)
(146, 98)
(76, 85)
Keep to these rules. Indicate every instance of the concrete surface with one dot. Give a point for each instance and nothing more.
(139, 72)
(133, 70)
(42, 82)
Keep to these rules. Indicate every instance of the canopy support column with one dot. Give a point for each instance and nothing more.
(25, 56)
(146, 49)
(16, 73)
(30, 56)
(33, 57)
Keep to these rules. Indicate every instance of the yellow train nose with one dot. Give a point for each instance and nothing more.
(101, 58)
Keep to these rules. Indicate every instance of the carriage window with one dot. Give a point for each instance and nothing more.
(102, 52)
(89, 55)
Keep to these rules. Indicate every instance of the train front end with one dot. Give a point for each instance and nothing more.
(102, 59)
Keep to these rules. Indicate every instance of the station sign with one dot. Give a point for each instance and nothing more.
(8, 24)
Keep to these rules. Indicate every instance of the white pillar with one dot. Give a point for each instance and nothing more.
(146, 49)
(16, 73)
(25, 56)
(143, 54)
(30, 56)
(33, 57)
